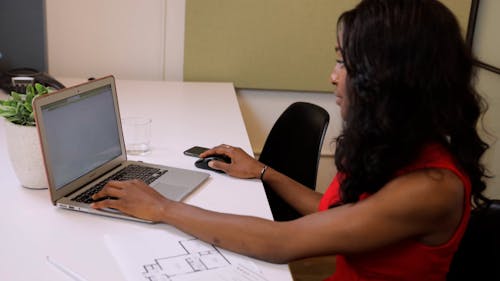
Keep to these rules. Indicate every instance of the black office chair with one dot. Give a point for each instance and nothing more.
(293, 147)
(478, 256)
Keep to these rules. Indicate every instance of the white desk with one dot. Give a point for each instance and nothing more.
(184, 114)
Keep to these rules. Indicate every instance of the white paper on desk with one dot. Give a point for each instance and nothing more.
(171, 255)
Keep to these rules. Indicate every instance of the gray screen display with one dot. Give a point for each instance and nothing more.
(81, 134)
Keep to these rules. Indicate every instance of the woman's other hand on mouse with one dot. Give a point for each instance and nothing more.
(242, 165)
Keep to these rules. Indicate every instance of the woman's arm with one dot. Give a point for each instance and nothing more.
(252, 236)
(297, 195)
(419, 206)
(302, 198)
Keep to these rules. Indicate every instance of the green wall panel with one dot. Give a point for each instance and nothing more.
(268, 44)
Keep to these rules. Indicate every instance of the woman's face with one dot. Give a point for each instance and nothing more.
(338, 78)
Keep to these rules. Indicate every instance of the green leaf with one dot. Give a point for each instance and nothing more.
(23, 111)
(29, 97)
(12, 103)
(16, 97)
(14, 119)
(19, 108)
(7, 111)
(30, 90)
(28, 104)
(28, 107)
(41, 89)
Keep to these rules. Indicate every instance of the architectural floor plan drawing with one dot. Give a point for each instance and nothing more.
(199, 256)
(171, 255)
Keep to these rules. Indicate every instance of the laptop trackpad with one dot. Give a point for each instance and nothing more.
(174, 192)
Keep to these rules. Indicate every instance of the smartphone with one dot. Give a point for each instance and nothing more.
(195, 151)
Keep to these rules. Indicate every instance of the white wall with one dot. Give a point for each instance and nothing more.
(94, 38)
(135, 39)
(261, 108)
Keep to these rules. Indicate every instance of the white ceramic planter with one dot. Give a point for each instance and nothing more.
(25, 155)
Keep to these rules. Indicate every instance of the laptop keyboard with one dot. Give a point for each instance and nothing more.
(146, 174)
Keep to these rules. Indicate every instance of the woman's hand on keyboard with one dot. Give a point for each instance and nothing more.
(132, 197)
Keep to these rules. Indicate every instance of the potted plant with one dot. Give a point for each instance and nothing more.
(23, 143)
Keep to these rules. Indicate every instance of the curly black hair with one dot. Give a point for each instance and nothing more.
(410, 82)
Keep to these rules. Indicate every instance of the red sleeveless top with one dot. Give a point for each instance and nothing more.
(407, 260)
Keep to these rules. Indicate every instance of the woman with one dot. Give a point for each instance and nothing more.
(407, 158)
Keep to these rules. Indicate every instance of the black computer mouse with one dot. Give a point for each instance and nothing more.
(202, 163)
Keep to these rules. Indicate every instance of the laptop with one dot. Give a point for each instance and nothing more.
(82, 145)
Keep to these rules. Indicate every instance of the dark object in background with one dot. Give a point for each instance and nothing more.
(17, 79)
(293, 147)
(478, 255)
(23, 35)
(23, 45)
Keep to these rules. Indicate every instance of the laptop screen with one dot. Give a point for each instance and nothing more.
(81, 134)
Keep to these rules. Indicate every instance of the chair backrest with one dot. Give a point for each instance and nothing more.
(478, 256)
(293, 147)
